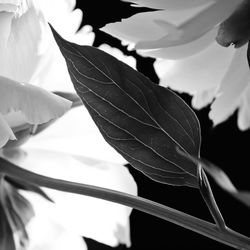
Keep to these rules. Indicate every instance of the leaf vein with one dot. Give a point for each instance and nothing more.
(124, 130)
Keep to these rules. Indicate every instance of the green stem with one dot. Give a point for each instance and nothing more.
(207, 195)
(228, 237)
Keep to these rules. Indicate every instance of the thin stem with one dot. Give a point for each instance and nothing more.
(228, 237)
(206, 191)
(208, 197)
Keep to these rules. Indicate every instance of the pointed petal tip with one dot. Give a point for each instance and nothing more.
(64, 105)
(6, 133)
(36, 104)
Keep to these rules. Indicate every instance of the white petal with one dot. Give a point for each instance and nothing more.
(5, 132)
(9, 6)
(244, 110)
(203, 98)
(5, 28)
(198, 73)
(182, 51)
(101, 220)
(21, 55)
(37, 58)
(46, 234)
(193, 28)
(38, 105)
(142, 26)
(85, 36)
(15, 119)
(64, 20)
(76, 133)
(130, 60)
(48, 8)
(165, 28)
(168, 4)
(52, 72)
(233, 85)
(18, 7)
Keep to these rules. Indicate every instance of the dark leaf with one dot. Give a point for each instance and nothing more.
(141, 120)
(6, 235)
(17, 209)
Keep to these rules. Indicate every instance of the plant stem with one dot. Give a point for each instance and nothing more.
(208, 197)
(228, 237)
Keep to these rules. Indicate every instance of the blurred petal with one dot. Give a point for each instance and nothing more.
(130, 60)
(47, 234)
(142, 26)
(5, 132)
(5, 28)
(17, 7)
(182, 51)
(22, 53)
(232, 86)
(38, 105)
(66, 20)
(198, 73)
(15, 119)
(172, 27)
(63, 8)
(97, 219)
(52, 72)
(8, 6)
(194, 27)
(76, 133)
(168, 4)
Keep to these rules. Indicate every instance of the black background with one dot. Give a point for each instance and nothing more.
(224, 145)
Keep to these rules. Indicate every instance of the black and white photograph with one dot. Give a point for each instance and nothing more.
(124, 124)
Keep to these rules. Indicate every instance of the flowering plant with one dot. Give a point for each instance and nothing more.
(47, 163)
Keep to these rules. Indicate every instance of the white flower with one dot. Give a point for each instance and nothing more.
(23, 33)
(26, 104)
(29, 55)
(66, 150)
(62, 151)
(181, 35)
